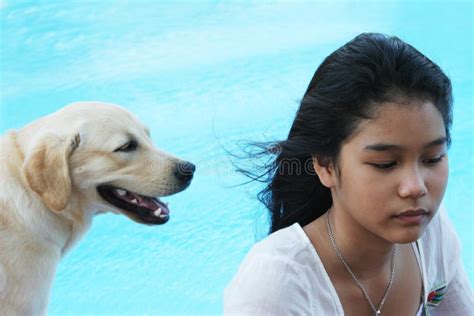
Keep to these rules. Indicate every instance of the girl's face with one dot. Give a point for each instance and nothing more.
(393, 171)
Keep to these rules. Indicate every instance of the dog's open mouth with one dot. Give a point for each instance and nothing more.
(143, 209)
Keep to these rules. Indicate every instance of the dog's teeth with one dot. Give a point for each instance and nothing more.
(163, 216)
(121, 192)
(134, 201)
(157, 212)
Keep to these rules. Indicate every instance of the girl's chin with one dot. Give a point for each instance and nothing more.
(407, 237)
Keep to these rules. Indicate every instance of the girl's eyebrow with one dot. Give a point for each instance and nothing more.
(387, 147)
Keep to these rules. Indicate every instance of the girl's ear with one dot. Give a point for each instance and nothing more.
(325, 171)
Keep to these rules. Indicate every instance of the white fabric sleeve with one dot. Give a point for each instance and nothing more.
(458, 299)
(265, 285)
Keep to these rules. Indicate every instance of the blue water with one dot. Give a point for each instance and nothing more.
(204, 75)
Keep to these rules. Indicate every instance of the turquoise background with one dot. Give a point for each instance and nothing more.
(204, 75)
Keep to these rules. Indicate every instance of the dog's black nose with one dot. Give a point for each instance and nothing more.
(184, 171)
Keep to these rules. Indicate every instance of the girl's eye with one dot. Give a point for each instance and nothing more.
(384, 166)
(130, 146)
(434, 160)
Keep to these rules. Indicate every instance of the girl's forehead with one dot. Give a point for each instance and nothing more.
(401, 124)
(388, 110)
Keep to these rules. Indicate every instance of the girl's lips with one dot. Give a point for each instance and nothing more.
(414, 217)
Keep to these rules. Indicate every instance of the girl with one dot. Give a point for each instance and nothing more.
(354, 195)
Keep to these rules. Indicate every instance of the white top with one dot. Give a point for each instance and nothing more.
(283, 275)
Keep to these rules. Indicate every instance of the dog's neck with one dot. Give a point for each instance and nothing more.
(80, 220)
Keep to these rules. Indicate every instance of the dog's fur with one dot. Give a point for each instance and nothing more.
(50, 172)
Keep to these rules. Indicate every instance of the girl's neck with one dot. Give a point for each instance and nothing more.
(365, 252)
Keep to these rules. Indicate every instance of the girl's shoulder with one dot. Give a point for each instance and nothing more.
(442, 266)
(278, 256)
(276, 278)
(285, 244)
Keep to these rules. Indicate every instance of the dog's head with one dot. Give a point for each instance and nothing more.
(100, 156)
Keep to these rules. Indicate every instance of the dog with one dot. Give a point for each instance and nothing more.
(60, 171)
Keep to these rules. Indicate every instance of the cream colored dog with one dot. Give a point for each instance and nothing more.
(60, 171)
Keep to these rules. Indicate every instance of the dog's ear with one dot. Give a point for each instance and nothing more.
(46, 169)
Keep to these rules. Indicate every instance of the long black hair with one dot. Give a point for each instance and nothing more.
(346, 88)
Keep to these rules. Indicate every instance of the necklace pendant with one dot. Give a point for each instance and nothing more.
(377, 313)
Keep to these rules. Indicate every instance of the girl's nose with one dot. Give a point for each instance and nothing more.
(412, 184)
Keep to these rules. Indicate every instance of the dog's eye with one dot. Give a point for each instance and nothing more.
(130, 146)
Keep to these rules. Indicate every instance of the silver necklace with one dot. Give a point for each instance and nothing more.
(344, 262)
